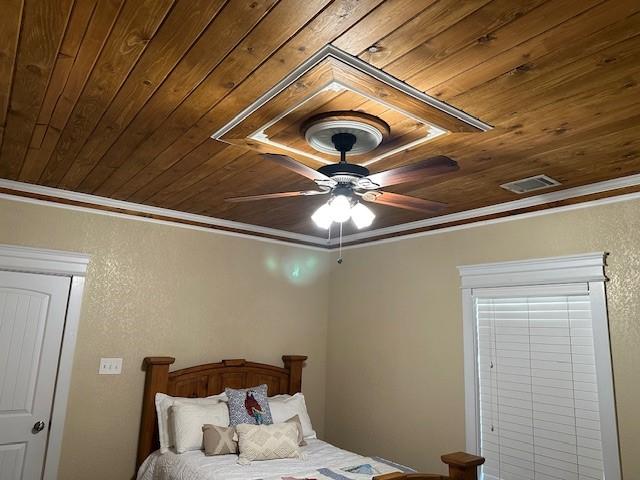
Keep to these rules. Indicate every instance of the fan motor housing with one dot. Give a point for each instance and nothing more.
(347, 169)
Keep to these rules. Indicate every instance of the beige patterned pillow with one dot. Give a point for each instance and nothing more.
(267, 442)
(219, 440)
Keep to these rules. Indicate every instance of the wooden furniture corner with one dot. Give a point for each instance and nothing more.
(462, 466)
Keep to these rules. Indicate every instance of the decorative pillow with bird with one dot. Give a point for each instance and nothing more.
(249, 405)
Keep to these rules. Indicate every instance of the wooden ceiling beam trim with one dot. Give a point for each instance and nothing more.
(45, 22)
(475, 28)
(132, 33)
(226, 30)
(177, 34)
(380, 22)
(540, 19)
(282, 21)
(102, 21)
(10, 22)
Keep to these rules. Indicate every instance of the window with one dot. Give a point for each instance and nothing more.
(539, 392)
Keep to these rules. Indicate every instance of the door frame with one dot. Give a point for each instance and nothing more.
(67, 264)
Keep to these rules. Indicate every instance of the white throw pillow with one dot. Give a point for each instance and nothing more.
(283, 407)
(188, 419)
(164, 403)
(267, 442)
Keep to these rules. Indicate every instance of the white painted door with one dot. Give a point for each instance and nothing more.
(32, 315)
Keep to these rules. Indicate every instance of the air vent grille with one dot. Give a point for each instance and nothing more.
(530, 184)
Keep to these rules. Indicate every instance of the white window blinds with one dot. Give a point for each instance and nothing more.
(538, 392)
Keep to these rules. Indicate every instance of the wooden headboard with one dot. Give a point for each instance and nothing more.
(205, 380)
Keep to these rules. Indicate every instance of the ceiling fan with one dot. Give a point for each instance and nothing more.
(346, 183)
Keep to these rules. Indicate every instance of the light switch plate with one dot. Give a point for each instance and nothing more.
(110, 366)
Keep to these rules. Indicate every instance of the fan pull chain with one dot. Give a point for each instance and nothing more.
(340, 249)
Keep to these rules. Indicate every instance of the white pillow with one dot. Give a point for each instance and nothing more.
(283, 407)
(163, 406)
(188, 419)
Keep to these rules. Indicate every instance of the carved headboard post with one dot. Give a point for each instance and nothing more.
(293, 363)
(156, 381)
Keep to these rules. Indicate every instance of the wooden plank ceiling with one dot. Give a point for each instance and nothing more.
(118, 98)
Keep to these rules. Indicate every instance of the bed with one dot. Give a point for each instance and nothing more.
(322, 461)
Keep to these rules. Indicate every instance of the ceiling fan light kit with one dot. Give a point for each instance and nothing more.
(341, 208)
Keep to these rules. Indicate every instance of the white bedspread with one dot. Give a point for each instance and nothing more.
(321, 461)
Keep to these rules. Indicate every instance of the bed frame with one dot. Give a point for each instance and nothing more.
(209, 379)
(212, 378)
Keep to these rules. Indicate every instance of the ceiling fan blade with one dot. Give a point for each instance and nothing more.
(404, 201)
(295, 166)
(267, 196)
(428, 167)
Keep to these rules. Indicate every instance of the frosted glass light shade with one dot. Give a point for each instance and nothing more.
(340, 206)
(362, 216)
(322, 217)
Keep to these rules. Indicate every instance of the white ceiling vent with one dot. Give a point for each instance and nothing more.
(530, 184)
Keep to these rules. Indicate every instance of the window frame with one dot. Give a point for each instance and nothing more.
(543, 276)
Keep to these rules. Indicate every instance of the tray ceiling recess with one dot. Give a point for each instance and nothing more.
(277, 121)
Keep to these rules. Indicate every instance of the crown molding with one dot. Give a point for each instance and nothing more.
(119, 208)
(500, 208)
(38, 194)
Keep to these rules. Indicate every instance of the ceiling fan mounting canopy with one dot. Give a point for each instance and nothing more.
(369, 131)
